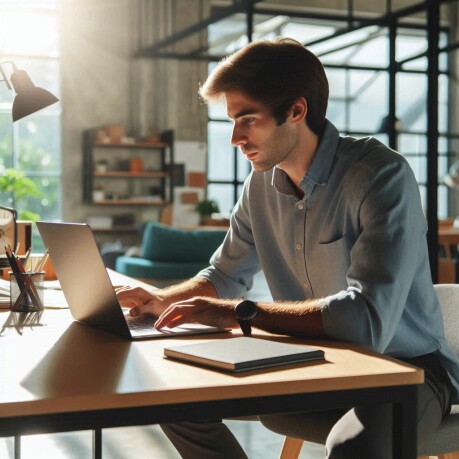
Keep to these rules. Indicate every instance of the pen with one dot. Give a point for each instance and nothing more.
(26, 258)
(11, 260)
(41, 264)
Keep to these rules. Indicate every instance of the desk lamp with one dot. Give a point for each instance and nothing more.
(29, 98)
(452, 180)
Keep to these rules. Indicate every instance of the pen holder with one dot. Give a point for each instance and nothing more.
(27, 291)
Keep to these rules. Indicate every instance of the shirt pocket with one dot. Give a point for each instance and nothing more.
(332, 263)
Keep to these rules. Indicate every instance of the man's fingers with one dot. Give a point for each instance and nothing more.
(171, 322)
(171, 314)
(139, 309)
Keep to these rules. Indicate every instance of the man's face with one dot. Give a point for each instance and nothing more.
(255, 132)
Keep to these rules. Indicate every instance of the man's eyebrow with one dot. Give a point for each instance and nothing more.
(245, 112)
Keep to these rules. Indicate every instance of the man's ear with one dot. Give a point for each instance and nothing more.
(299, 110)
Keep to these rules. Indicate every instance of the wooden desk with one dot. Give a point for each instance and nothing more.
(59, 375)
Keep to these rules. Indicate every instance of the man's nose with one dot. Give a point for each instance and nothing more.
(238, 138)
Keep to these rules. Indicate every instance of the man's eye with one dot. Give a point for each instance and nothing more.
(249, 120)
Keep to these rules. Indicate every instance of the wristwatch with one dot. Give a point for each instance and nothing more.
(245, 311)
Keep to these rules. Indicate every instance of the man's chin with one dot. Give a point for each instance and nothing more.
(260, 167)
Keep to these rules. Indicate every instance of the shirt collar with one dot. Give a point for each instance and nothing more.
(321, 165)
(320, 168)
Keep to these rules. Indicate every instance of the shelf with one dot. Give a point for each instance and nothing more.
(127, 174)
(130, 145)
(131, 202)
(135, 183)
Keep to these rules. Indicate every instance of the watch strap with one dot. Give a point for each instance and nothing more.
(245, 311)
(246, 326)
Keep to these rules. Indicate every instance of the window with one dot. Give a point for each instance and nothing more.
(31, 146)
(357, 69)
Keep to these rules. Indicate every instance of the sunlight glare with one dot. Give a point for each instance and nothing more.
(28, 32)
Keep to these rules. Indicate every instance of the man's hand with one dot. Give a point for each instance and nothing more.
(140, 301)
(155, 302)
(204, 310)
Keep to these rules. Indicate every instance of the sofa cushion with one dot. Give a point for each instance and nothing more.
(142, 268)
(168, 244)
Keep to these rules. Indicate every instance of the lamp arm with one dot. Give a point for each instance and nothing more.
(5, 79)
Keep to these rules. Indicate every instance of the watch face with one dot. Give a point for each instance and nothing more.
(7, 229)
(246, 310)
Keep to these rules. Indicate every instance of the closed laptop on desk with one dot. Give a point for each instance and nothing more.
(87, 287)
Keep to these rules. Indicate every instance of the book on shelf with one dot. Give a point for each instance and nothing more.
(243, 353)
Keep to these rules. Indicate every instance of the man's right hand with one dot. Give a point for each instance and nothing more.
(140, 301)
(154, 302)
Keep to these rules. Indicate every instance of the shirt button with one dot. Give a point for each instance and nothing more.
(299, 246)
(300, 206)
(305, 285)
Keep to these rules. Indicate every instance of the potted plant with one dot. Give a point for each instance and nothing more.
(205, 208)
(14, 187)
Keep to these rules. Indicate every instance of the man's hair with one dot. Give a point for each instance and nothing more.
(275, 73)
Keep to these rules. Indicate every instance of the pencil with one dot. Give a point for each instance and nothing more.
(41, 264)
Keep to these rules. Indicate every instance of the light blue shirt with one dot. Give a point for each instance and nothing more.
(356, 240)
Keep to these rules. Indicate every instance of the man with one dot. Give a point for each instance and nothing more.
(337, 226)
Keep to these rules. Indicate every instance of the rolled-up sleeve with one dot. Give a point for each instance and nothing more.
(235, 262)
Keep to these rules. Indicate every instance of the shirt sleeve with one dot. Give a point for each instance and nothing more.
(235, 262)
(390, 250)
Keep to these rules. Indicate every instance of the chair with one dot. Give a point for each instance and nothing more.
(170, 254)
(445, 442)
(448, 260)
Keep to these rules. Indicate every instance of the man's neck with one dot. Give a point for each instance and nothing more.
(300, 160)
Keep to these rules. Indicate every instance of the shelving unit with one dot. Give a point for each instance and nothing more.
(124, 185)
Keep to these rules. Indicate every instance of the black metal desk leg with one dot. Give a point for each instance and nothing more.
(404, 424)
(97, 444)
(17, 447)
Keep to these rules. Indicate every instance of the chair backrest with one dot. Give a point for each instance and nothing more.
(448, 294)
(169, 244)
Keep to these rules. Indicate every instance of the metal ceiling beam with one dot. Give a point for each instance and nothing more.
(238, 7)
(384, 20)
(325, 16)
(362, 41)
(445, 49)
(216, 58)
(154, 51)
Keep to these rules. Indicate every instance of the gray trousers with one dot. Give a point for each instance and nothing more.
(359, 433)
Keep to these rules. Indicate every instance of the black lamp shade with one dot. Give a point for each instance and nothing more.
(29, 98)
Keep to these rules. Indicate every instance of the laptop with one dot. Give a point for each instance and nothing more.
(87, 287)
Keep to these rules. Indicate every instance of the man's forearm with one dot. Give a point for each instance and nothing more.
(196, 286)
(291, 318)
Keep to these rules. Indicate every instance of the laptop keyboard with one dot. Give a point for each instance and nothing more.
(144, 322)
